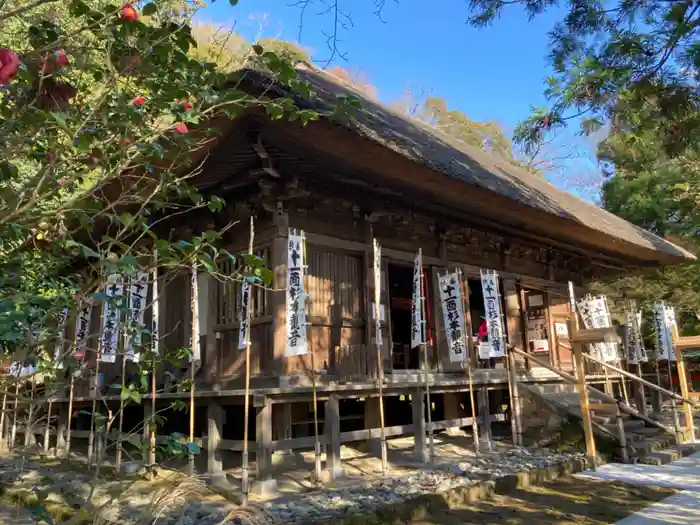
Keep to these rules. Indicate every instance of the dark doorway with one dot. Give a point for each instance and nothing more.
(476, 305)
(400, 295)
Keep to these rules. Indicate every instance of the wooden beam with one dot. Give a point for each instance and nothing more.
(595, 335)
(688, 342)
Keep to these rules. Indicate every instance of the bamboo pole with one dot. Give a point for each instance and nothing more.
(155, 344)
(71, 389)
(118, 458)
(13, 432)
(317, 444)
(245, 483)
(468, 364)
(194, 343)
(96, 390)
(47, 428)
(581, 377)
(431, 438)
(475, 416)
(674, 410)
(380, 365)
(3, 436)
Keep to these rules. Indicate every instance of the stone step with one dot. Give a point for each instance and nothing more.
(649, 432)
(630, 425)
(672, 453)
(644, 447)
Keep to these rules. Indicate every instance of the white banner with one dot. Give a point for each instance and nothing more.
(377, 273)
(594, 313)
(297, 341)
(61, 329)
(453, 315)
(670, 327)
(244, 313)
(110, 318)
(664, 322)
(194, 286)
(417, 308)
(82, 329)
(634, 344)
(492, 307)
(138, 295)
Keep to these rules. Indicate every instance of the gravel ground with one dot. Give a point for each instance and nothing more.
(193, 504)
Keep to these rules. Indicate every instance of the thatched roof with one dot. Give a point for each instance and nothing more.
(423, 144)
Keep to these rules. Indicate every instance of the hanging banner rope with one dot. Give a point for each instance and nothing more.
(453, 315)
(492, 308)
(297, 341)
(138, 291)
(114, 289)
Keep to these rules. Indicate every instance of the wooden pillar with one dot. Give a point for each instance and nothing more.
(372, 421)
(639, 393)
(215, 427)
(683, 383)
(515, 331)
(208, 296)
(452, 410)
(264, 483)
(485, 417)
(334, 465)
(282, 423)
(583, 401)
(61, 426)
(420, 451)
(278, 264)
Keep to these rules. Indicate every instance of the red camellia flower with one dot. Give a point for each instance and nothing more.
(9, 64)
(60, 58)
(129, 13)
(181, 127)
(187, 106)
(139, 100)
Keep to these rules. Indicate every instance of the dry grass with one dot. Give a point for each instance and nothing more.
(569, 501)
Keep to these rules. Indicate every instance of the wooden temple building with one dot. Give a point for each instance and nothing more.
(346, 181)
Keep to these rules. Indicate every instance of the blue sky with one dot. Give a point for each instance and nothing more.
(493, 73)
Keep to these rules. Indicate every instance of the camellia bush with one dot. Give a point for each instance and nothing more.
(103, 106)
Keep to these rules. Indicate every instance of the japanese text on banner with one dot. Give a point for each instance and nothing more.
(138, 294)
(244, 321)
(417, 322)
(453, 315)
(82, 329)
(61, 325)
(377, 273)
(492, 307)
(297, 343)
(114, 289)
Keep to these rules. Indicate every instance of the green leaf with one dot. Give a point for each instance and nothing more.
(149, 9)
(233, 2)
(259, 50)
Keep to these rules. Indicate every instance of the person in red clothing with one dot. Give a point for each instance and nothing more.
(483, 330)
